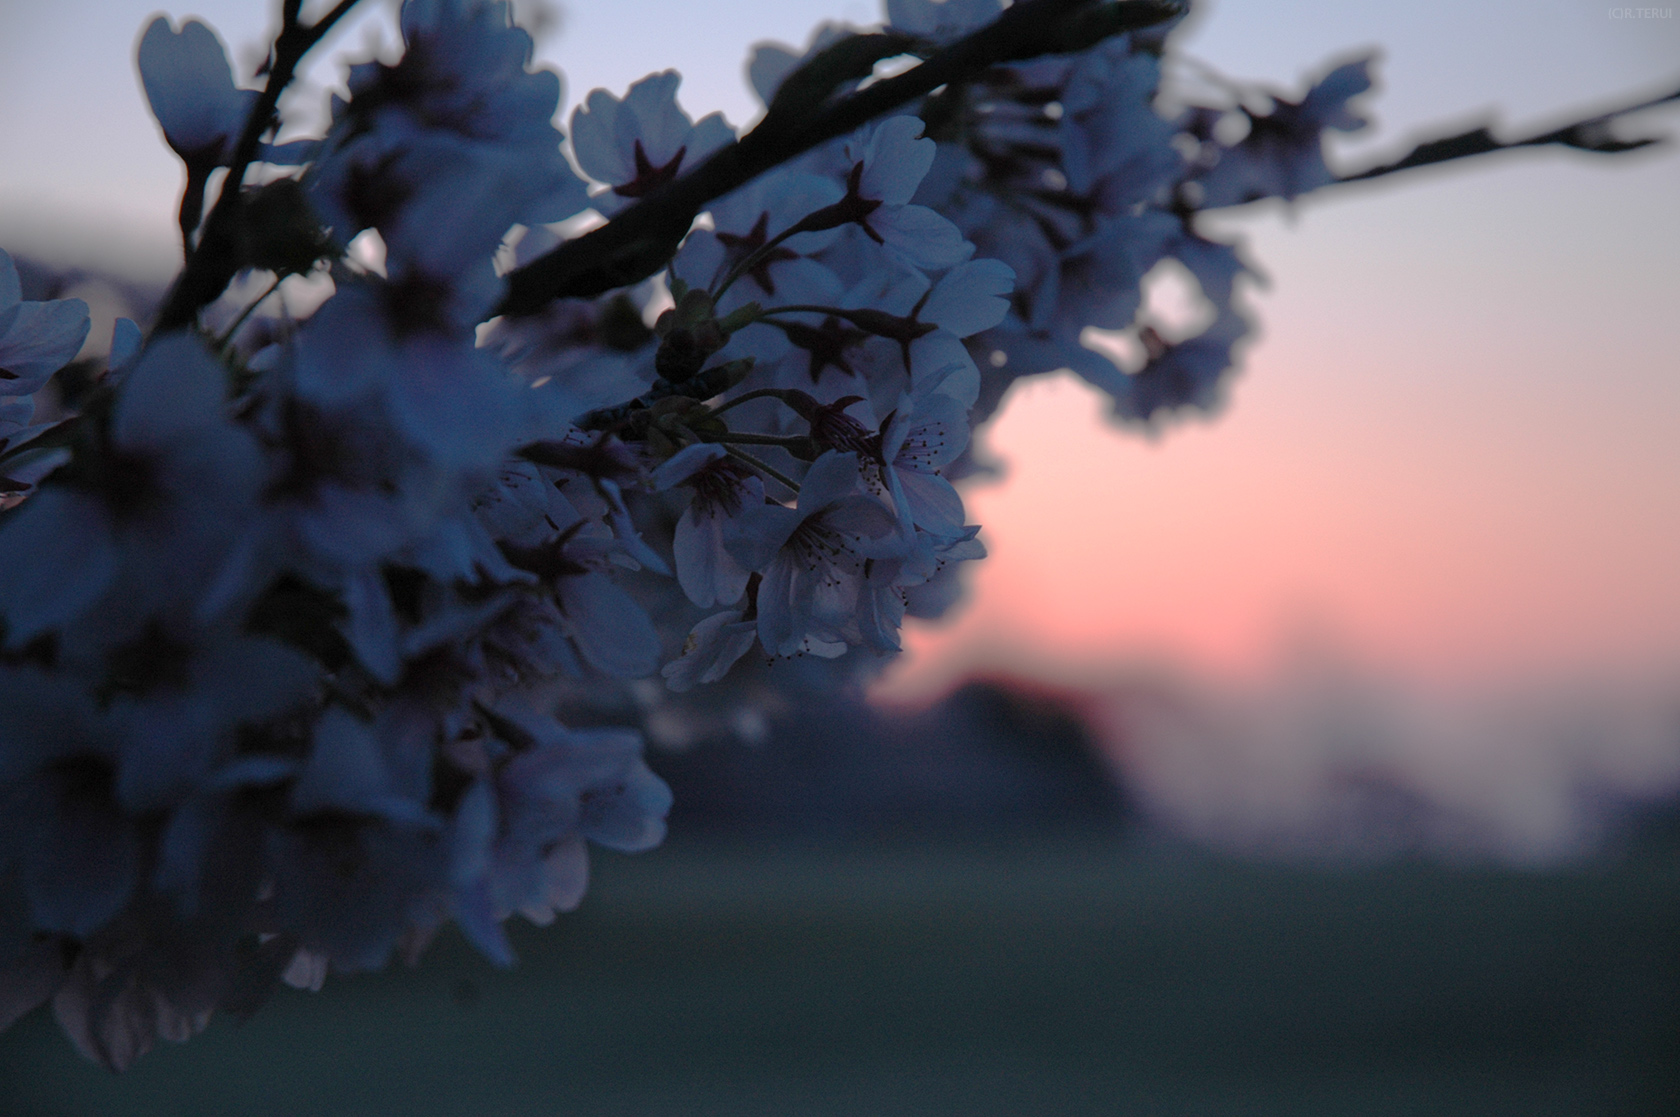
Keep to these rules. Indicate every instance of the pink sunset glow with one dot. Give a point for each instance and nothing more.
(1454, 454)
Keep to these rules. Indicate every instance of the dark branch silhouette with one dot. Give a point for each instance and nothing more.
(1590, 134)
(639, 241)
(211, 266)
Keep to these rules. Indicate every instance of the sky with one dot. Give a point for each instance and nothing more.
(1453, 451)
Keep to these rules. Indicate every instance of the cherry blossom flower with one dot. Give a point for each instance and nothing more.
(635, 145)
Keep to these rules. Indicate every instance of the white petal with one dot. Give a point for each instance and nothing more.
(708, 574)
(609, 628)
(176, 388)
(189, 85)
(971, 297)
(920, 237)
(43, 338)
(58, 557)
(594, 139)
(895, 160)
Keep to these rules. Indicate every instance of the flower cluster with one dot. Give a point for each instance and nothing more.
(1067, 169)
(292, 602)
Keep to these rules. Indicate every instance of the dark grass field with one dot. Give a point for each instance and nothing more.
(1046, 977)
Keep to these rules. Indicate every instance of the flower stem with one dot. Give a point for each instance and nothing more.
(768, 471)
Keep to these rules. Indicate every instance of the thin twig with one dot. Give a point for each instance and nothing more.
(756, 393)
(762, 468)
(226, 339)
(1590, 134)
(748, 438)
(214, 262)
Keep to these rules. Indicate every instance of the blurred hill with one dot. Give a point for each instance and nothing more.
(993, 756)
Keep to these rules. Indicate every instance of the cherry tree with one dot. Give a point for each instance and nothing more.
(292, 602)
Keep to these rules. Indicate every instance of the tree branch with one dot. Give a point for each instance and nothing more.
(640, 240)
(1590, 134)
(211, 266)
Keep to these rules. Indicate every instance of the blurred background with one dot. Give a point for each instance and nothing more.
(1321, 757)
